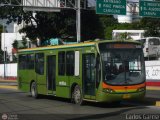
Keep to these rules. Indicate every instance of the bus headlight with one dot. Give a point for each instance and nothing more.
(108, 90)
(141, 89)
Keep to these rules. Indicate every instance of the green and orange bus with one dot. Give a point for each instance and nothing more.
(99, 71)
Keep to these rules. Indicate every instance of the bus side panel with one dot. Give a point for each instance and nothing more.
(77, 79)
(42, 89)
(62, 91)
(24, 84)
(41, 84)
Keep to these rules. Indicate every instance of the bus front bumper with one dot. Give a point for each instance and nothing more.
(113, 97)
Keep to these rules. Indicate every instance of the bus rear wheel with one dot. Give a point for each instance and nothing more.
(34, 92)
(77, 95)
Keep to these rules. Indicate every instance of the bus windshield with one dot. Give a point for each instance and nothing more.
(123, 66)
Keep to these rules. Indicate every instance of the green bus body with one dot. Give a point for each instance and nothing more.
(57, 70)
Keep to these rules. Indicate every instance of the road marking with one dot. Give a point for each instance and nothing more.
(8, 87)
(158, 103)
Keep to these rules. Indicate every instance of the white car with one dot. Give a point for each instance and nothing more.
(151, 46)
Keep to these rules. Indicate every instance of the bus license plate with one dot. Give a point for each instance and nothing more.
(126, 96)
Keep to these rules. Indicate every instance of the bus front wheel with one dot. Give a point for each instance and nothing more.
(34, 92)
(77, 95)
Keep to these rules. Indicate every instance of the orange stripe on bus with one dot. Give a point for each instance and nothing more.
(104, 85)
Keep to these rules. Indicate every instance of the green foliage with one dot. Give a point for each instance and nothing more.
(15, 44)
(51, 25)
(109, 23)
(24, 42)
(91, 26)
(152, 26)
(124, 36)
(121, 26)
(20, 44)
(108, 32)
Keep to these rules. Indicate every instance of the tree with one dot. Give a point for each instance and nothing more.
(123, 26)
(91, 26)
(151, 25)
(108, 23)
(24, 42)
(48, 25)
(54, 25)
(15, 44)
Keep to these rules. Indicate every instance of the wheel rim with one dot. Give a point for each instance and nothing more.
(77, 96)
(33, 90)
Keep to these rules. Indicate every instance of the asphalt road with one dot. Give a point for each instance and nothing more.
(17, 105)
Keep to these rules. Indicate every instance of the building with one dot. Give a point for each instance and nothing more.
(134, 34)
(9, 35)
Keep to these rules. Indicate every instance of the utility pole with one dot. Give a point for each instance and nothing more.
(78, 21)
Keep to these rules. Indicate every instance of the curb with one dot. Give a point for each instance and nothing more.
(9, 87)
(8, 80)
(158, 103)
(152, 88)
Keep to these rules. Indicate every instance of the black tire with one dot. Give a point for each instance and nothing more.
(34, 92)
(77, 95)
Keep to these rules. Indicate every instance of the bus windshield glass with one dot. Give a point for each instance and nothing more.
(122, 66)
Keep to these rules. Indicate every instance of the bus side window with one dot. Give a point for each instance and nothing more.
(30, 61)
(22, 62)
(39, 63)
(70, 63)
(61, 63)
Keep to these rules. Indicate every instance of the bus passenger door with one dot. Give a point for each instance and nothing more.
(89, 74)
(40, 72)
(51, 74)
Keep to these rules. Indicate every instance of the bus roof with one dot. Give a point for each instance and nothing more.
(83, 44)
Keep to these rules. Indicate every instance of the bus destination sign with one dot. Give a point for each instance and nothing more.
(124, 46)
(117, 7)
(149, 8)
(119, 46)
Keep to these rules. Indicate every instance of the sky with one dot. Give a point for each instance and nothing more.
(9, 27)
